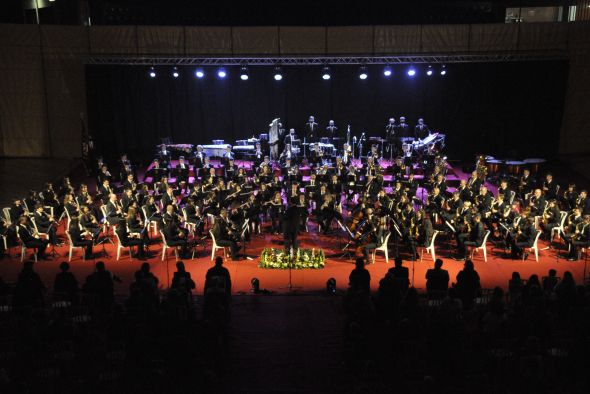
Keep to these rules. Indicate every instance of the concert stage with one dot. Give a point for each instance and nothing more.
(495, 272)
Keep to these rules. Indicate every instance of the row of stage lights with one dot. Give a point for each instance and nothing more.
(222, 73)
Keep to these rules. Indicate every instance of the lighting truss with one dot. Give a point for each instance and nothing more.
(322, 60)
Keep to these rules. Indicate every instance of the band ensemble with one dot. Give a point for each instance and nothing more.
(343, 194)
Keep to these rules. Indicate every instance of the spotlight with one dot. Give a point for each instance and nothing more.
(199, 73)
(443, 70)
(411, 71)
(331, 286)
(429, 71)
(175, 73)
(255, 285)
(152, 72)
(363, 73)
(387, 71)
(278, 74)
(221, 73)
(326, 73)
(244, 73)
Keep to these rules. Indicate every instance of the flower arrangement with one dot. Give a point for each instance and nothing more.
(305, 258)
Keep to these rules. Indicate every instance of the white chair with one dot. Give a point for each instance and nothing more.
(482, 247)
(559, 229)
(5, 243)
(72, 247)
(165, 247)
(535, 247)
(383, 248)
(512, 194)
(120, 245)
(46, 235)
(7, 216)
(188, 225)
(23, 249)
(215, 247)
(152, 224)
(430, 247)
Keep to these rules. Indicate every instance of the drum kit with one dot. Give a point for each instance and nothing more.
(503, 168)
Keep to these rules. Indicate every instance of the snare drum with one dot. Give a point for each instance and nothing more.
(515, 167)
(535, 164)
(493, 166)
(407, 148)
(325, 140)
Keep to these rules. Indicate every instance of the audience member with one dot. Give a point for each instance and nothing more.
(437, 280)
(360, 278)
(401, 274)
(468, 285)
(65, 284)
(29, 289)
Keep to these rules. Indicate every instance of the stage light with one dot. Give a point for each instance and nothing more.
(326, 73)
(411, 71)
(221, 73)
(443, 70)
(175, 73)
(278, 74)
(152, 72)
(244, 73)
(387, 71)
(331, 286)
(363, 73)
(429, 71)
(199, 73)
(255, 285)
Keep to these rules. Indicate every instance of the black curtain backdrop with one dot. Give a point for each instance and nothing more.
(507, 110)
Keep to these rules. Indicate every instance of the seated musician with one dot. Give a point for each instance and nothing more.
(474, 183)
(420, 233)
(483, 202)
(550, 217)
(303, 205)
(164, 155)
(579, 239)
(30, 238)
(371, 167)
(472, 237)
(266, 174)
(70, 205)
(500, 210)
(465, 192)
(326, 212)
(224, 235)
(374, 153)
(583, 203)
(161, 187)
(129, 240)
(524, 238)
(130, 183)
(351, 180)
(312, 188)
(276, 210)
(335, 186)
(569, 197)
(46, 224)
(526, 183)
(209, 179)
(550, 187)
(536, 203)
(228, 155)
(194, 216)
(316, 156)
(114, 211)
(573, 220)
(380, 236)
(207, 164)
(230, 169)
(104, 174)
(504, 190)
(441, 184)
(241, 177)
(89, 222)
(411, 185)
(253, 210)
(128, 200)
(182, 172)
(517, 221)
(80, 237)
(384, 203)
(374, 184)
(135, 225)
(237, 217)
(434, 201)
(451, 209)
(157, 171)
(105, 191)
(258, 155)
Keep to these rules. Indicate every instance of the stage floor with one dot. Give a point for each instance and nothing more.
(495, 272)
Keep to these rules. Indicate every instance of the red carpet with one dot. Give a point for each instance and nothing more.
(495, 272)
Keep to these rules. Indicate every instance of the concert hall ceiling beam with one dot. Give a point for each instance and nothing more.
(321, 60)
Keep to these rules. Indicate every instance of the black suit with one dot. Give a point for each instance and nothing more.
(474, 238)
(27, 238)
(127, 241)
(44, 225)
(311, 132)
(421, 131)
(222, 237)
(78, 240)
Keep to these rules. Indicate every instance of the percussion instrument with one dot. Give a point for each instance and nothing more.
(215, 150)
(324, 140)
(535, 164)
(493, 165)
(515, 167)
(407, 148)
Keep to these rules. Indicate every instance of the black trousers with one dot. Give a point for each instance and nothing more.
(51, 231)
(39, 244)
(234, 248)
(291, 241)
(137, 242)
(87, 244)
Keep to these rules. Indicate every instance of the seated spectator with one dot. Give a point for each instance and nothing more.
(515, 286)
(549, 282)
(146, 284)
(401, 274)
(437, 280)
(101, 284)
(182, 281)
(65, 284)
(221, 275)
(468, 285)
(360, 279)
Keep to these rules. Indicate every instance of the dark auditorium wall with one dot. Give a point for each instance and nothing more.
(502, 109)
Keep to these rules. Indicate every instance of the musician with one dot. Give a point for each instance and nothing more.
(129, 183)
(164, 155)
(573, 220)
(504, 189)
(114, 211)
(157, 171)
(465, 192)
(276, 210)
(483, 202)
(452, 207)
(311, 130)
(128, 200)
(434, 201)
(316, 155)
(128, 239)
(550, 217)
(230, 169)
(474, 183)
(411, 185)
(550, 187)
(83, 197)
(421, 232)
(569, 197)
(210, 179)
(50, 199)
(290, 138)
(89, 223)
(135, 225)
(473, 237)
(104, 174)
(285, 155)
(252, 212)
(30, 238)
(224, 235)
(79, 237)
(258, 155)
(125, 167)
(390, 130)
(382, 232)
(70, 206)
(228, 155)
(441, 184)
(536, 203)
(583, 203)
(403, 129)
(105, 191)
(580, 238)
(524, 239)
(182, 171)
(31, 200)
(335, 186)
(199, 157)
(331, 130)
(500, 209)
(526, 183)
(46, 224)
(327, 212)
(206, 164)
(421, 130)
(66, 187)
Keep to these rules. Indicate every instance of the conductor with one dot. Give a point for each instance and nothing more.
(291, 221)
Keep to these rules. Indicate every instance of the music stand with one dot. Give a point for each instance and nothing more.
(347, 252)
(290, 286)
